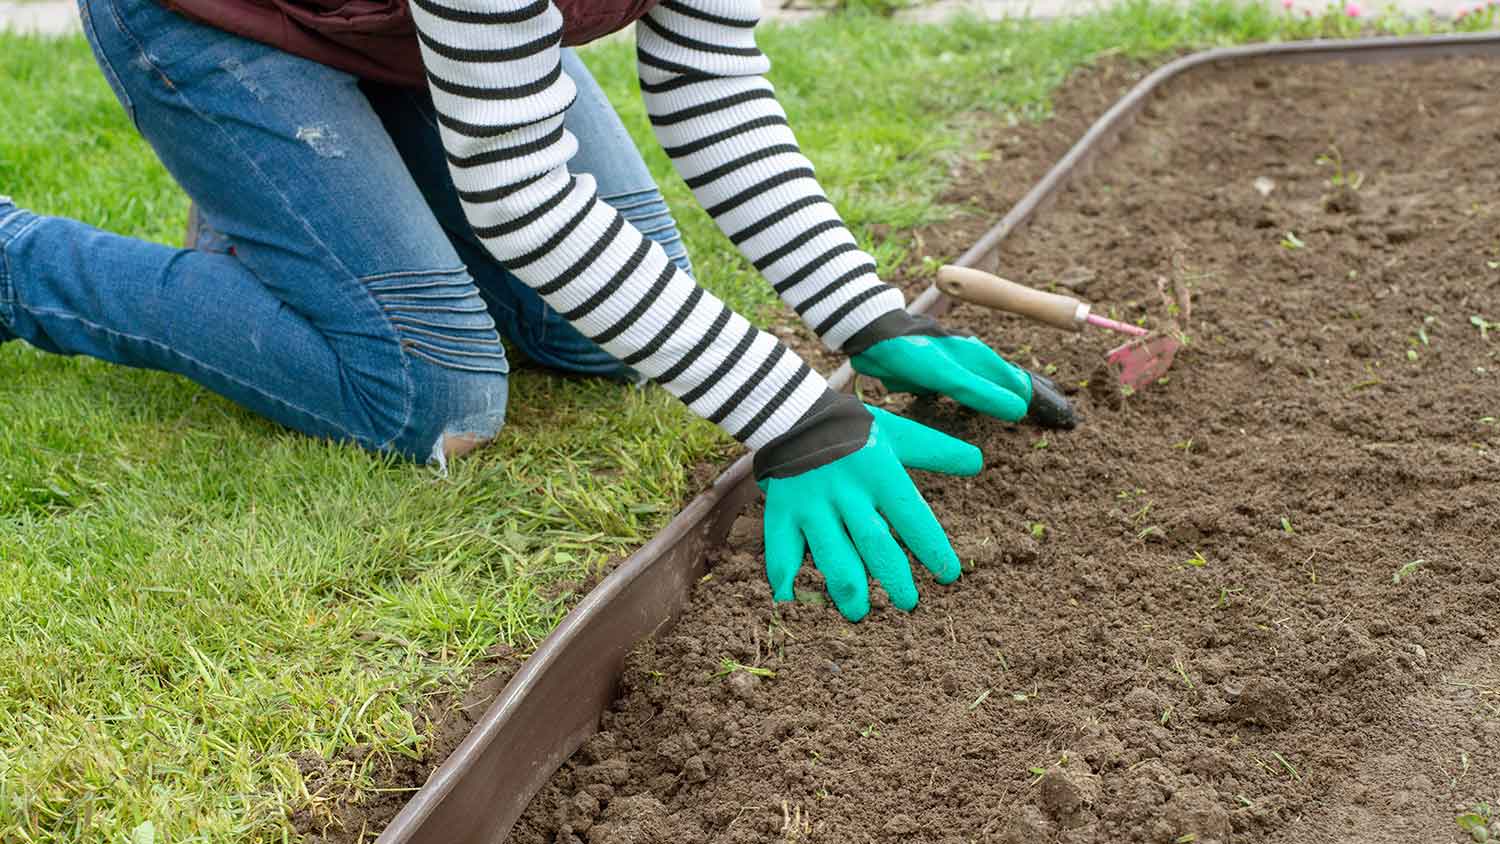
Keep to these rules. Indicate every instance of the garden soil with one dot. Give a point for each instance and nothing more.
(334, 816)
(1257, 602)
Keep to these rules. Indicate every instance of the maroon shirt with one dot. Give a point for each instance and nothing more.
(375, 39)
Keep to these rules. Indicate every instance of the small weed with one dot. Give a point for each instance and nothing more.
(1150, 531)
(869, 732)
(1038, 530)
(1041, 443)
(1225, 592)
(1341, 177)
(794, 825)
(1476, 822)
(728, 666)
(978, 701)
(1185, 838)
(809, 596)
(1038, 772)
(1184, 445)
(1182, 672)
(1483, 325)
(1292, 241)
(1407, 570)
(1286, 526)
(1285, 764)
(1197, 561)
(1166, 715)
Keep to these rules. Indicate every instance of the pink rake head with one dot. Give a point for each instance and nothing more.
(1140, 363)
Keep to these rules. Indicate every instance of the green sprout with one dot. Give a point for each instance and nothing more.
(1476, 822)
(728, 666)
(1483, 325)
(1341, 177)
(1407, 570)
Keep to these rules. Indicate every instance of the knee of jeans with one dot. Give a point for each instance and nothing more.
(649, 213)
(458, 375)
(454, 411)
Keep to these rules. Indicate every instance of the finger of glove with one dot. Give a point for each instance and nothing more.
(883, 558)
(843, 570)
(785, 547)
(920, 447)
(914, 522)
(980, 359)
(977, 392)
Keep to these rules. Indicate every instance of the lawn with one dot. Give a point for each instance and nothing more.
(189, 594)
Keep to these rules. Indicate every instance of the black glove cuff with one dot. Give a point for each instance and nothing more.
(897, 323)
(837, 425)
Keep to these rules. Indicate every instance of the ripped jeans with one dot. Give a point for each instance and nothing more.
(337, 288)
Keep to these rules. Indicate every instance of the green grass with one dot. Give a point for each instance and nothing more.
(188, 594)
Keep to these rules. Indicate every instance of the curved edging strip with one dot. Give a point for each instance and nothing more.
(554, 702)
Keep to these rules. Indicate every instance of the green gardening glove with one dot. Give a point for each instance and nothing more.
(914, 354)
(837, 483)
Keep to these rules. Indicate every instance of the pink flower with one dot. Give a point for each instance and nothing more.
(1287, 4)
(1353, 10)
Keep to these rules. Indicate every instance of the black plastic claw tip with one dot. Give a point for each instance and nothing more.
(1049, 408)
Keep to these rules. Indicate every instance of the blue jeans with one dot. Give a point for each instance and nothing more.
(339, 289)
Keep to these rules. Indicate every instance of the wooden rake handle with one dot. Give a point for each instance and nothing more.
(981, 288)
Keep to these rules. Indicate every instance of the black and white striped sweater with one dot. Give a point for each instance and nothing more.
(493, 67)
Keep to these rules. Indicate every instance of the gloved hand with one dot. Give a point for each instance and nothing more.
(914, 354)
(837, 483)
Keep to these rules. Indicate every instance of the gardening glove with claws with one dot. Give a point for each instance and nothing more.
(914, 354)
(837, 483)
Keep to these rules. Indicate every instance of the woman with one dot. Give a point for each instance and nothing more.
(376, 235)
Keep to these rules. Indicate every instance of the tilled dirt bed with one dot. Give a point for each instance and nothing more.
(1257, 602)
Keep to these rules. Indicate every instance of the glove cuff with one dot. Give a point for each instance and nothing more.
(837, 425)
(898, 323)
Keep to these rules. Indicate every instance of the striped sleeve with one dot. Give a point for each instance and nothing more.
(703, 80)
(494, 70)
